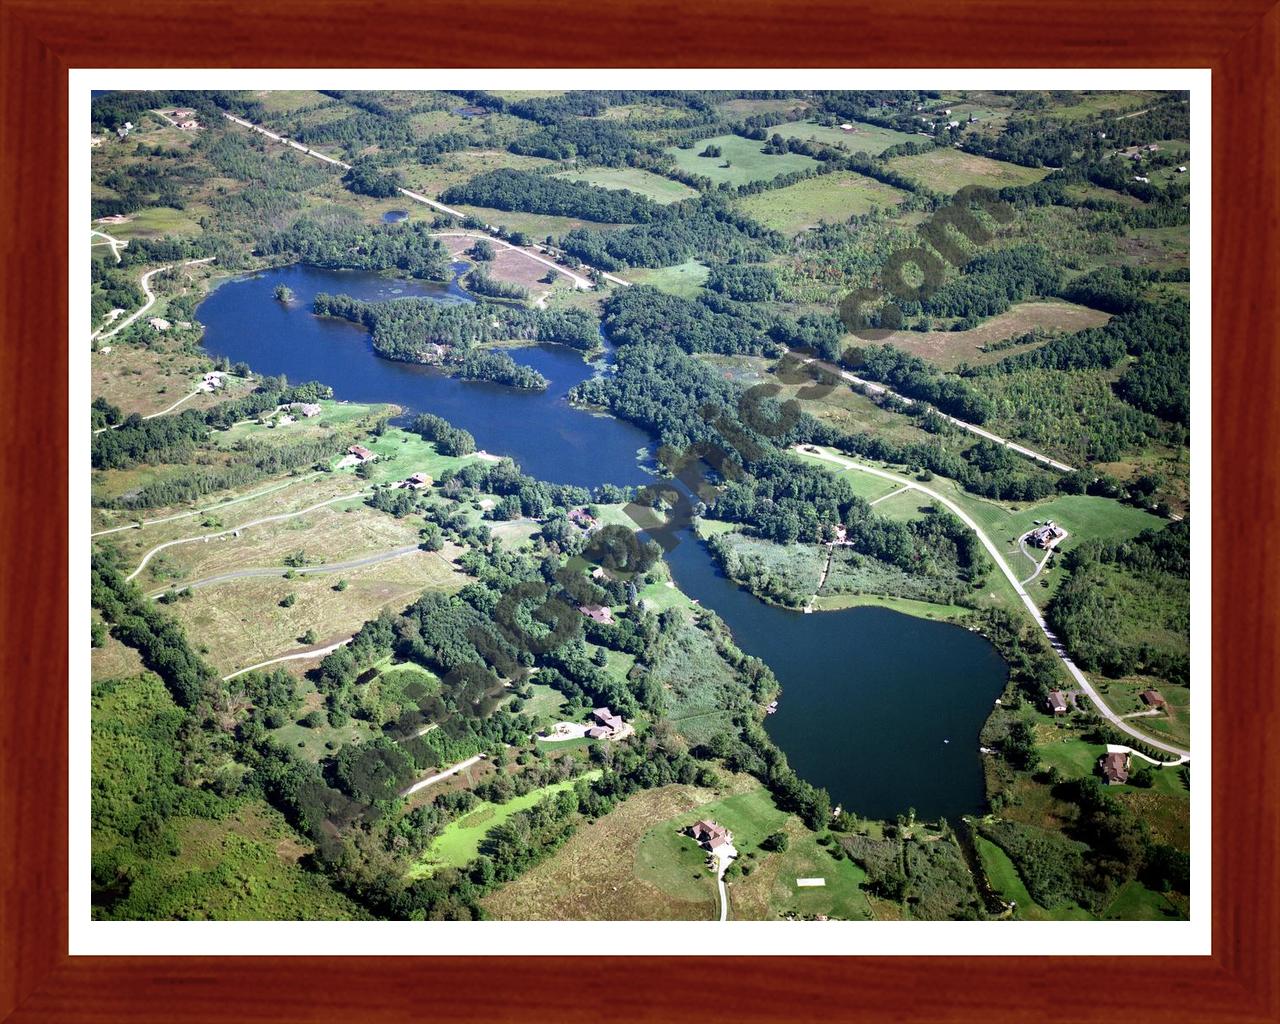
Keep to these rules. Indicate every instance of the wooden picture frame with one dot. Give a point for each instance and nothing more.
(41, 39)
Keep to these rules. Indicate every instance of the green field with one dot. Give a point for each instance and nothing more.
(948, 170)
(865, 138)
(684, 279)
(460, 842)
(747, 162)
(634, 179)
(1003, 877)
(828, 198)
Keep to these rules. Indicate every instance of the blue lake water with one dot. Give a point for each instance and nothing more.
(882, 709)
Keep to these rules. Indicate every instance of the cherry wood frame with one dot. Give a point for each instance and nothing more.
(40, 39)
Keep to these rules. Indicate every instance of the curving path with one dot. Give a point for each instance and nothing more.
(310, 652)
(273, 571)
(236, 529)
(1084, 684)
(144, 283)
(116, 243)
(973, 428)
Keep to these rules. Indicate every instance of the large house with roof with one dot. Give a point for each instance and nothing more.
(710, 835)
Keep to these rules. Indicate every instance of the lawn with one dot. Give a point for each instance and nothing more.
(948, 170)
(746, 161)
(865, 138)
(460, 842)
(1003, 877)
(154, 222)
(769, 891)
(1135, 902)
(314, 744)
(920, 609)
(828, 198)
(684, 279)
(634, 179)
(546, 703)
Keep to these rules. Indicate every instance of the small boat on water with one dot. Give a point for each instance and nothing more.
(771, 707)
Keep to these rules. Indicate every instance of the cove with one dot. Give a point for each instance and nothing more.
(880, 708)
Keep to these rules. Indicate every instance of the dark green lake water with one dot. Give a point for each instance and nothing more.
(882, 709)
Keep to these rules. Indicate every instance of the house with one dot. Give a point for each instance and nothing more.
(125, 129)
(1047, 535)
(598, 732)
(1115, 767)
(1057, 702)
(606, 719)
(1182, 169)
(188, 125)
(1153, 148)
(159, 323)
(1139, 177)
(598, 573)
(846, 127)
(417, 481)
(1102, 135)
(1152, 699)
(581, 517)
(710, 835)
(953, 124)
(361, 453)
(214, 379)
(597, 613)
(308, 409)
(180, 114)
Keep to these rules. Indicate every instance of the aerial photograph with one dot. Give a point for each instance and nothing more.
(620, 505)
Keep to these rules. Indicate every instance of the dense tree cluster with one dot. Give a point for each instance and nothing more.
(406, 329)
(992, 281)
(912, 376)
(449, 440)
(369, 179)
(684, 231)
(343, 241)
(744, 282)
(508, 189)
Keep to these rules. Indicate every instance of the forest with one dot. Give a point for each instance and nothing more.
(509, 189)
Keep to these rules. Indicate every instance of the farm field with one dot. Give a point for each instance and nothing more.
(827, 198)
(747, 162)
(634, 179)
(948, 170)
(948, 349)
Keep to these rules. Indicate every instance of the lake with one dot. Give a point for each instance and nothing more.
(882, 709)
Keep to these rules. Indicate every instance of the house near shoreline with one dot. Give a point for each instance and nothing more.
(710, 835)
(417, 481)
(1115, 767)
(159, 323)
(581, 517)
(308, 409)
(361, 453)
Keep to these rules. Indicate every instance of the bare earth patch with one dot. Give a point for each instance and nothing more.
(947, 349)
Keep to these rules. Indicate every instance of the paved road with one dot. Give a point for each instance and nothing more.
(417, 197)
(275, 571)
(880, 389)
(236, 529)
(433, 779)
(144, 282)
(310, 652)
(1054, 642)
